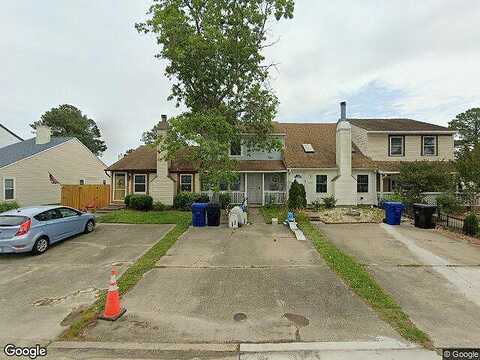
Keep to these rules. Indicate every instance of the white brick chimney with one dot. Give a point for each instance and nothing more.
(43, 135)
(344, 184)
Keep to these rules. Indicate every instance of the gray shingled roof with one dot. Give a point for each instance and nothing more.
(18, 151)
(396, 125)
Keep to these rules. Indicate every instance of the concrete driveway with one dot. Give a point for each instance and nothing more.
(435, 278)
(255, 284)
(38, 293)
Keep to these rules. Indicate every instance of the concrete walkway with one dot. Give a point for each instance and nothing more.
(436, 279)
(251, 285)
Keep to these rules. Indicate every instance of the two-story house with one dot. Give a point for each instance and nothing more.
(356, 160)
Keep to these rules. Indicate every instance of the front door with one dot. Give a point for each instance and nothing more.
(119, 186)
(254, 188)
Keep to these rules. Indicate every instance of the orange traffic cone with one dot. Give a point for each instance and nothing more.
(113, 309)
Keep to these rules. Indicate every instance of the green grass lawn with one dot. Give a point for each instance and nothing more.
(145, 217)
(357, 278)
(278, 212)
(136, 271)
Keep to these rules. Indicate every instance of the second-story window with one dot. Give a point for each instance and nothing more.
(396, 146)
(235, 148)
(429, 145)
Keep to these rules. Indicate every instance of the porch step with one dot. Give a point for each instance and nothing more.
(110, 208)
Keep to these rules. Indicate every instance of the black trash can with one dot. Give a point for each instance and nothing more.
(424, 216)
(213, 214)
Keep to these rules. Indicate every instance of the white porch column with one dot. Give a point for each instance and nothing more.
(381, 186)
(263, 189)
(245, 176)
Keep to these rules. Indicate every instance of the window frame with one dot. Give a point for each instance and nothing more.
(134, 183)
(181, 182)
(82, 182)
(14, 188)
(236, 155)
(317, 183)
(75, 213)
(435, 145)
(390, 137)
(359, 184)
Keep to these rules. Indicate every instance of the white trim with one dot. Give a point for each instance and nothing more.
(113, 183)
(14, 188)
(413, 132)
(191, 182)
(146, 181)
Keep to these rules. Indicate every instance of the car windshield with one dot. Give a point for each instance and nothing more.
(11, 220)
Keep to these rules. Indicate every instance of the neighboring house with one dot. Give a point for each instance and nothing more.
(8, 137)
(32, 171)
(355, 159)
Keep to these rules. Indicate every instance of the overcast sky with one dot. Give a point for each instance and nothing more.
(393, 58)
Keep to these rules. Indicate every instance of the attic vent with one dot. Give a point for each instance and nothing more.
(308, 148)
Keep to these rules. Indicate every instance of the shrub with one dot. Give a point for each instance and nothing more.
(140, 202)
(330, 201)
(127, 200)
(297, 198)
(396, 197)
(202, 198)
(448, 203)
(225, 200)
(317, 205)
(158, 206)
(8, 205)
(470, 224)
(184, 200)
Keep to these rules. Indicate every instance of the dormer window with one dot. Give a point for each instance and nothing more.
(235, 148)
(308, 148)
(396, 146)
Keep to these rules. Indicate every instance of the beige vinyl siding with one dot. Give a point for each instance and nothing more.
(68, 163)
(309, 178)
(360, 138)
(377, 148)
(369, 198)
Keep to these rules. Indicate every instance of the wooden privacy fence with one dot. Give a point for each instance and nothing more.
(86, 196)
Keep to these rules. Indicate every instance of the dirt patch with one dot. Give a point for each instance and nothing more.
(347, 215)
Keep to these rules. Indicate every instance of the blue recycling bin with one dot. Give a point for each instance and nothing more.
(393, 212)
(199, 214)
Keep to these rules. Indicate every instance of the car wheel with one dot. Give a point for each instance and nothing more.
(90, 226)
(41, 245)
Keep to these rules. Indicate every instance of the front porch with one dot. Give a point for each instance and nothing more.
(258, 188)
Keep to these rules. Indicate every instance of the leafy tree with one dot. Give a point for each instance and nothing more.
(468, 171)
(422, 176)
(214, 57)
(67, 120)
(468, 126)
(151, 136)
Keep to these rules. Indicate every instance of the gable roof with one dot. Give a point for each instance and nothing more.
(21, 150)
(323, 139)
(396, 125)
(142, 158)
(11, 132)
